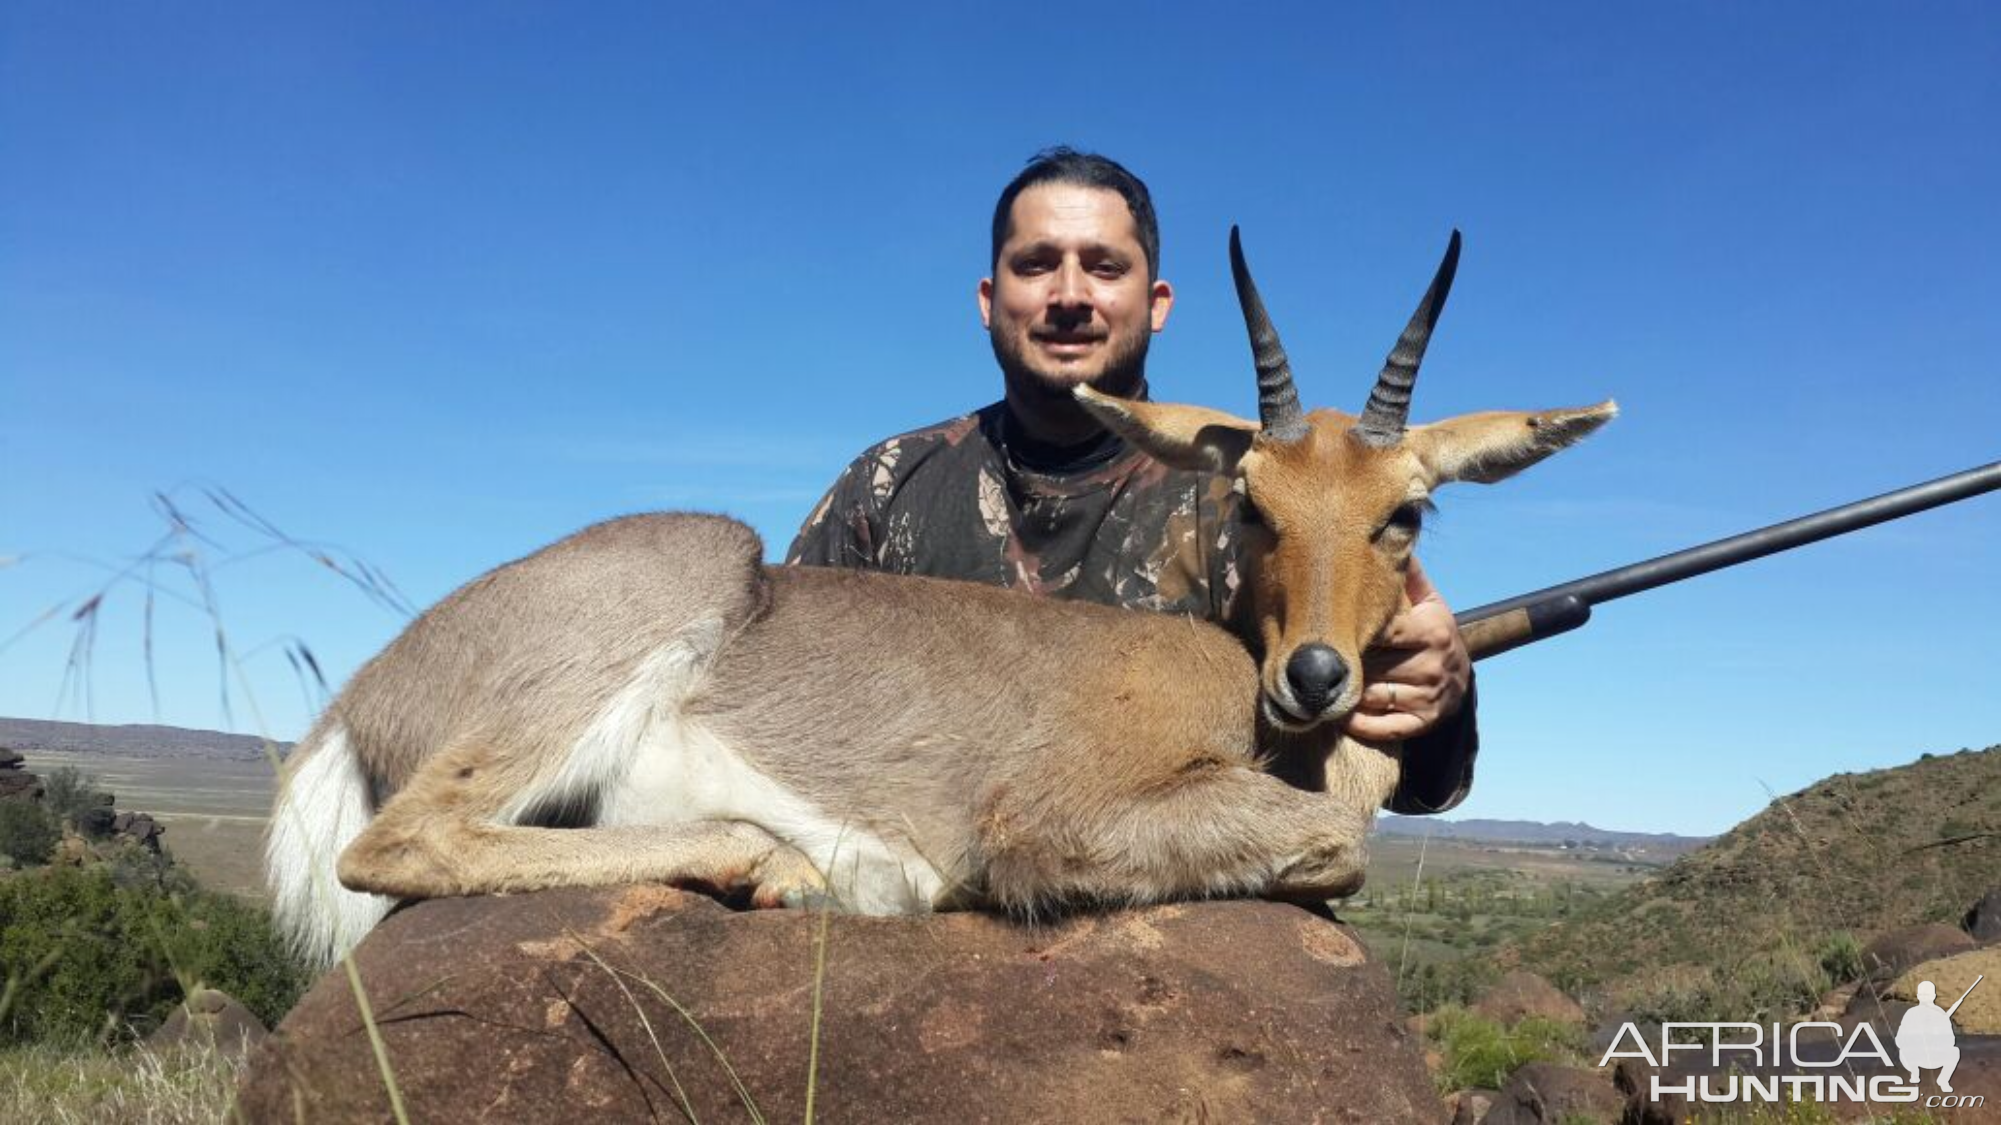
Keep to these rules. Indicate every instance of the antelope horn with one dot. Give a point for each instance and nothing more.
(1389, 403)
(1278, 401)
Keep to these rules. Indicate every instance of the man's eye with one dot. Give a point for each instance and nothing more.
(1109, 269)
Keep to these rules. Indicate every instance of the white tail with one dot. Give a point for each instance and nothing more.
(322, 806)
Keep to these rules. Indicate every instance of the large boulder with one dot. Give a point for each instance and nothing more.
(1886, 958)
(1548, 1094)
(1469, 1107)
(1980, 1012)
(207, 1020)
(1520, 994)
(635, 1002)
(20, 785)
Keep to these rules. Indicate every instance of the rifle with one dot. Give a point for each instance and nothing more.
(1964, 995)
(1499, 626)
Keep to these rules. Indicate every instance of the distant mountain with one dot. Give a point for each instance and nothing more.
(1537, 832)
(141, 741)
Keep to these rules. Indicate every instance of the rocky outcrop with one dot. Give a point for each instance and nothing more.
(209, 1020)
(1548, 1094)
(1887, 957)
(1469, 1107)
(1980, 1012)
(641, 1002)
(1521, 994)
(16, 783)
(139, 828)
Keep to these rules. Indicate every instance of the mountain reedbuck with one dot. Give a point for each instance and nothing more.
(646, 700)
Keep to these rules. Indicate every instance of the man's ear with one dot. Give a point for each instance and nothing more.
(987, 303)
(1485, 448)
(1186, 437)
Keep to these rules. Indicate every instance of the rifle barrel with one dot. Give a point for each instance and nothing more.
(1643, 576)
(1964, 995)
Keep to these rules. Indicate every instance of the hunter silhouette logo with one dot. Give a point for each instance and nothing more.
(1925, 1039)
(1817, 1061)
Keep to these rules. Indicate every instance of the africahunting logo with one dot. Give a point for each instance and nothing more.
(1805, 1062)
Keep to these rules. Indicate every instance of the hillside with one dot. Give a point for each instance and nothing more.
(138, 741)
(1752, 912)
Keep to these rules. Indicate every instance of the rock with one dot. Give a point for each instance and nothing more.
(71, 851)
(1520, 994)
(10, 759)
(1834, 1003)
(1469, 1106)
(209, 1019)
(20, 785)
(1872, 1006)
(1547, 1093)
(1886, 958)
(548, 1006)
(1610, 1029)
(96, 822)
(1980, 1013)
(1983, 920)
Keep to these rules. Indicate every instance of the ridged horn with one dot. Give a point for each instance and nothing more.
(1383, 419)
(1278, 401)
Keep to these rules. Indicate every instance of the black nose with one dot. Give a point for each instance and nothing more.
(1316, 674)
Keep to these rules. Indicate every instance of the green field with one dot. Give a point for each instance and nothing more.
(1449, 904)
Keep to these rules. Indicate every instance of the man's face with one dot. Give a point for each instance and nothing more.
(1070, 301)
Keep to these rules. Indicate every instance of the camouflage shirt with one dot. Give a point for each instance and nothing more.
(977, 500)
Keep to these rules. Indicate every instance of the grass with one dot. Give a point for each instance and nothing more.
(1480, 1053)
(133, 1085)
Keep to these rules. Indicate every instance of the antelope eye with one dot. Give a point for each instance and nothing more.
(1408, 518)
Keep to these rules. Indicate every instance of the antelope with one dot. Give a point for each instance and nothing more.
(647, 701)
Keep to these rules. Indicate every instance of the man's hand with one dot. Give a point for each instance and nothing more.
(1416, 673)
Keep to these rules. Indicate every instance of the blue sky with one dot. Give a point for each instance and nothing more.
(440, 283)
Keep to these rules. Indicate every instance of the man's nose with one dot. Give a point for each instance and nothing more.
(1070, 290)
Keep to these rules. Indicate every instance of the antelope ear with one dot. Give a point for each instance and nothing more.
(1185, 437)
(1485, 448)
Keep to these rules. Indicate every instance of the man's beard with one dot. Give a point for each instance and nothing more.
(1124, 372)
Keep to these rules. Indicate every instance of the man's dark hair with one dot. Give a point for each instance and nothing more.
(1065, 165)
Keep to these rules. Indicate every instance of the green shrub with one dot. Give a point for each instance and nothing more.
(1441, 984)
(27, 832)
(85, 959)
(67, 792)
(1481, 1053)
(1841, 958)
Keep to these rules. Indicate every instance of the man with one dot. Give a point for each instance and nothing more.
(1031, 493)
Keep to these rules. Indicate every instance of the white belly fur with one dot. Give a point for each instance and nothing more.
(650, 765)
(684, 772)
